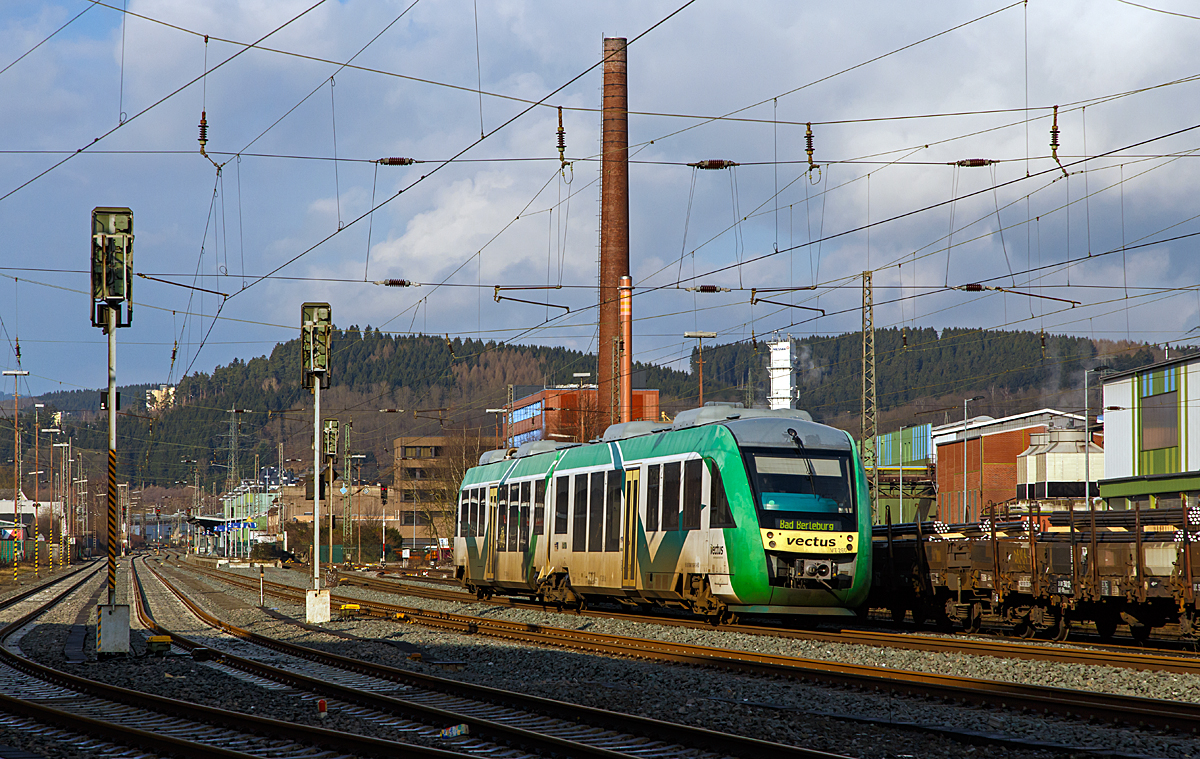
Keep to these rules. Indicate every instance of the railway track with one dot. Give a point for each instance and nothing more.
(501, 717)
(79, 710)
(1075, 704)
(1114, 656)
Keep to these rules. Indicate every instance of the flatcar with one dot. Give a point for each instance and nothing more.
(1035, 573)
(725, 511)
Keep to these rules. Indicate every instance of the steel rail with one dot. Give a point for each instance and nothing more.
(208, 715)
(1072, 703)
(657, 730)
(1099, 656)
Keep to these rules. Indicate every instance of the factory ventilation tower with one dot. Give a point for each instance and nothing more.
(783, 376)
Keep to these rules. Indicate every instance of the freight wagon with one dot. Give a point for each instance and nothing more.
(1037, 573)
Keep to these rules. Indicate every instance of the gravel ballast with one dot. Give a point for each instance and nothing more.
(790, 711)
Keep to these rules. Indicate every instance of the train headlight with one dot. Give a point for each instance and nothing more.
(771, 544)
(770, 535)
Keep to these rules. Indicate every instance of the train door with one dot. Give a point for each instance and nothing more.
(489, 566)
(629, 568)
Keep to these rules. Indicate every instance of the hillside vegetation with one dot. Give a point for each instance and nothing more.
(450, 383)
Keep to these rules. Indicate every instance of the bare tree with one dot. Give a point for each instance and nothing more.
(461, 449)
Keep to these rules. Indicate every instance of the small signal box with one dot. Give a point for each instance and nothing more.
(112, 266)
(316, 338)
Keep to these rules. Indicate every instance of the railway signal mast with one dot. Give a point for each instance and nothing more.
(316, 335)
(112, 308)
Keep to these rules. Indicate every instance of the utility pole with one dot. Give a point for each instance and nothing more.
(346, 490)
(112, 293)
(37, 478)
(700, 337)
(16, 374)
(869, 429)
(330, 444)
(316, 334)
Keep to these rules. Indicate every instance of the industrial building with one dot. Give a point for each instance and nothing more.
(568, 414)
(992, 448)
(1149, 459)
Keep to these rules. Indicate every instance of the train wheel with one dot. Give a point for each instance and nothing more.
(974, 621)
(1140, 633)
(898, 614)
(1023, 629)
(1062, 629)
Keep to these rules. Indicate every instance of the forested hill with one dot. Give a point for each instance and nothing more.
(433, 379)
(454, 381)
(1018, 371)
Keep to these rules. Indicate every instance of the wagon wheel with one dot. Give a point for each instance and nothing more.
(1023, 629)
(1061, 629)
(974, 621)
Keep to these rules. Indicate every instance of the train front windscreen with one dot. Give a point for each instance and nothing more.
(798, 487)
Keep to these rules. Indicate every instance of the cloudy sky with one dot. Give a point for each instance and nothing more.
(103, 110)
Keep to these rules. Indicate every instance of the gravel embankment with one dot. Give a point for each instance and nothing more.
(790, 712)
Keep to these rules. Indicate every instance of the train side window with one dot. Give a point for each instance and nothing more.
(612, 511)
(719, 514)
(652, 475)
(670, 497)
(693, 480)
(502, 518)
(580, 513)
(525, 493)
(478, 504)
(464, 513)
(562, 504)
(539, 507)
(595, 536)
(514, 516)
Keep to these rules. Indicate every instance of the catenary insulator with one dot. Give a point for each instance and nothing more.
(203, 131)
(1054, 143)
(562, 140)
(707, 289)
(974, 287)
(396, 283)
(808, 145)
(395, 161)
(713, 163)
(973, 163)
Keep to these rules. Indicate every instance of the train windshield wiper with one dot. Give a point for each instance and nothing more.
(812, 480)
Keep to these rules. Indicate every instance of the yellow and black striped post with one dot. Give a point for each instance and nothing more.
(37, 551)
(112, 525)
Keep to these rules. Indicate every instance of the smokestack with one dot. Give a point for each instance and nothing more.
(626, 378)
(614, 224)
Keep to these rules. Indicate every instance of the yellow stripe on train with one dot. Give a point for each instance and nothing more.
(803, 541)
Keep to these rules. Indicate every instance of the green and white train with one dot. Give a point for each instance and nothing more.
(726, 511)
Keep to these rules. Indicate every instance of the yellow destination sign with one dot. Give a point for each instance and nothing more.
(803, 541)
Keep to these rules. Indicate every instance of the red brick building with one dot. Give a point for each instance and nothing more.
(990, 474)
(569, 414)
